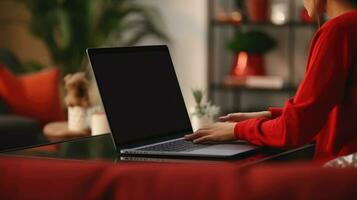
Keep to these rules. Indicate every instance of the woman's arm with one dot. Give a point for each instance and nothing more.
(305, 114)
(237, 117)
(241, 116)
(321, 90)
(275, 112)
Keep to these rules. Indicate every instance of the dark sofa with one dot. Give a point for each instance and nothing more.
(17, 131)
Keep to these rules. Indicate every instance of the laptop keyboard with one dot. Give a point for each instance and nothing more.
(177, 145)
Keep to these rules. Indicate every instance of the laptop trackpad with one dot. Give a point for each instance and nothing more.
(224, 149)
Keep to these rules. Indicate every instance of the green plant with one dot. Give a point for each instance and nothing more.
(198, 96)
(256, 42)
(203, 109)
(68, 27)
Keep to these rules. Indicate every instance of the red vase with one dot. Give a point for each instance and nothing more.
(257, 10)
(246, 64)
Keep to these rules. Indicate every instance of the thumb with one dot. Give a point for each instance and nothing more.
(225, 118)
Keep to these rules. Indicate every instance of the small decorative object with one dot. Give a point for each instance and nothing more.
(77, 101)
(234, 17)
(99, 124)
(304, 17)
(349, 161)
(257, 10)
(77, 119)
(280, 12)
(249, 48)
(203, 113)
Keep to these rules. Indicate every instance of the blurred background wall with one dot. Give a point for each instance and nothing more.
(185, 22)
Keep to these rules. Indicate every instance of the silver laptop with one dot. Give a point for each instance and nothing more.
(144, 105)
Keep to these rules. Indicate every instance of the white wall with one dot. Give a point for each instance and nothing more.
(186, 24)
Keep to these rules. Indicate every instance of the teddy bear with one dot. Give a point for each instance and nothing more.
(77, 90)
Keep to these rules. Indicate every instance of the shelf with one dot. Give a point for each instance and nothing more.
(264, 24)
(286, 88)
(224, 21)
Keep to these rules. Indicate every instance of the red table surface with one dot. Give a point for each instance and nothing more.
(33, 178)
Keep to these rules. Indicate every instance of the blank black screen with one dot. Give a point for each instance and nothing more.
(140, 92)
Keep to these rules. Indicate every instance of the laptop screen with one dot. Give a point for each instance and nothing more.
(140, 93)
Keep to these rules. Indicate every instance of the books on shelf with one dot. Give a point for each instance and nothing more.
(264, 82)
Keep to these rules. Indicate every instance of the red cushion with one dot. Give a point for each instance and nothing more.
(60, 179)
(298, 181)
(35, 95)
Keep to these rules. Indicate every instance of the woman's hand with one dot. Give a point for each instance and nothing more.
(217, 132)
(224, 131)
(237, 117)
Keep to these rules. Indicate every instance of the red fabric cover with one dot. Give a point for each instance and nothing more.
(325, 104)
(55, 179)
(298, 182)
(275, 112)
(34, 95)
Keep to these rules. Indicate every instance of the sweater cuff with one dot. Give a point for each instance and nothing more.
(239, 129)
(275, 112)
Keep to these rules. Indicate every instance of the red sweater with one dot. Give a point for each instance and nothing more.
(325, 105)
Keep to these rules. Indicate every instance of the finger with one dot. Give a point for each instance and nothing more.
(202, 139)
(192, 137)
(203, 131)
(204, 128)
(236, 117)
(230, 117)
(195, 135)
(224, 118)
(189, 137)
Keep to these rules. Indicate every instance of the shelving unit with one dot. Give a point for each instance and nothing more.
(215, 22)
(217, 68)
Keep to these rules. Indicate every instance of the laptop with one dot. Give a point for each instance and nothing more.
(144, 104)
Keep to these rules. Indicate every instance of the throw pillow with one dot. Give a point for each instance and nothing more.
(34, 95)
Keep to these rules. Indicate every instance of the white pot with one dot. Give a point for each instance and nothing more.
(99, 124)
(200, 121)
(77, 119)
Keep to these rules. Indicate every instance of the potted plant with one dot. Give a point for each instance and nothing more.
(249, 49)
(203, 113)
(69, 27)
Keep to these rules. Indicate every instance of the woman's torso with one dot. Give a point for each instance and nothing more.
(339, 135)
